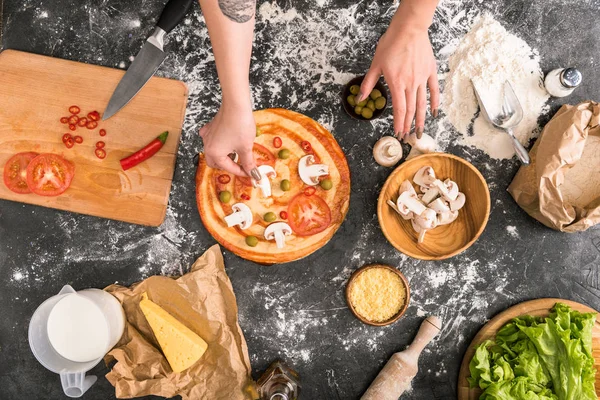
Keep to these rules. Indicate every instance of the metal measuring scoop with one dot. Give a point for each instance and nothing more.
(509, 117)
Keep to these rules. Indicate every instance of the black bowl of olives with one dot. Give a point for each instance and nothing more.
(370, 108)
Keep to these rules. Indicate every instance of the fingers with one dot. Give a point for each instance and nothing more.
(247, 161)
(421, 110)
(434, 93)
(204, 130)
(368, 83)
(399, 104)
(411, 104)
(226, 164)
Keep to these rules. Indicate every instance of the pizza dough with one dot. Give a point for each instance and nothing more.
(313, 218)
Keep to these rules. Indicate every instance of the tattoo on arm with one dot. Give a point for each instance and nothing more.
(238, 10)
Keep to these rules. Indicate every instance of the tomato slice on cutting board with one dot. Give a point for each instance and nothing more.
(262, 156)
(308, 215)
(49, 175)
(15, 172)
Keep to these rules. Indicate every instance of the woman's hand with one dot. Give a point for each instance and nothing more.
(405, 58)
(231, 130)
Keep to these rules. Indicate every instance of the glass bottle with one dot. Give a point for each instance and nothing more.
(279, 382)
(562, 81)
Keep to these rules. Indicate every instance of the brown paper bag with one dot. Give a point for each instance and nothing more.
(537, 187)
(204, 301)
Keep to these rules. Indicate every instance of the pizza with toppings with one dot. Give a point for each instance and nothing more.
(297, 206)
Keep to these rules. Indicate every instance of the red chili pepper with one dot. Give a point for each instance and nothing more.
(309, 191)
(64, 120)
(94, 116)
(102, 132)
(277, 142)
(91, 125)
(100, 153)
(69, 143)
(100, 145)
(82, 121)
(74, 110)
(283, 215)
(306, 146)
(244, 196)
(66, 137)
(73, 119)
(145, 153)
(224, 179)
(72, 127)
(78, 139)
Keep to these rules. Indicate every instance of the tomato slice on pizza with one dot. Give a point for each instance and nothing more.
(308, 215)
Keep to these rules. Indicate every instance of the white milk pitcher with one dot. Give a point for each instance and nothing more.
(71, 332)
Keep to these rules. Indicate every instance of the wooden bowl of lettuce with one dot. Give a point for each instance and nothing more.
(523, 353)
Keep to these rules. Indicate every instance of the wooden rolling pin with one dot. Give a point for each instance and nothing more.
(396, 375)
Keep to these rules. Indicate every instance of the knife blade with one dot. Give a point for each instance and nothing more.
(149, 59)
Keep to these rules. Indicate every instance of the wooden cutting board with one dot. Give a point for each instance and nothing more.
(538, 308)
(36, 91)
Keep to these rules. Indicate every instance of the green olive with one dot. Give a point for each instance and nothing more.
(379, 103)
(367, 113)
(358, 109)
(326, 184)
(251, 241)
(284, 154)
(354, 89)
(375, 94)
(285, 185)
(351, 100)
(224, 196)
(371, 105)
(270, 217)
(363, 103)
(258, 131)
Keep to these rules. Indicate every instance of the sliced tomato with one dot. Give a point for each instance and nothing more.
(15, 172)
(82, 121)
(49, 175)
(262, 156)
(74, 110)
(308, 215)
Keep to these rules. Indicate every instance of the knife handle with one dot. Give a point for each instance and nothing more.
(173, 13)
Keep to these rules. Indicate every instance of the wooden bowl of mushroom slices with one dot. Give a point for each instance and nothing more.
(444, 241)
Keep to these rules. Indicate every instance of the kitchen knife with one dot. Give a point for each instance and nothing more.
(148, 59)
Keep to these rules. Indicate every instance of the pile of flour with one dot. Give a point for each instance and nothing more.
(489, 55)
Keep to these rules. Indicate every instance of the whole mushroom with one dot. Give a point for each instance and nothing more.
(387, 151)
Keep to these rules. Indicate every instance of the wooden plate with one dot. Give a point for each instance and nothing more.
(538, 308)
(444, 241)
(400, 313)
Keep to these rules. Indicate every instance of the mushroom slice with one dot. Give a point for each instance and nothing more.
(278, 231)
(420, 231)
(425, 177)
(448, 189)
(427, 220)
(406, 186)
(242, 216)
(447, 217)
(426, 144)
(459, 202)
(439, 206)
(310, 172)
(405, 213)
(409, 201)
(265, 183)
(430, 195)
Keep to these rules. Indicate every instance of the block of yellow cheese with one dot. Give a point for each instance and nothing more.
(180, 345)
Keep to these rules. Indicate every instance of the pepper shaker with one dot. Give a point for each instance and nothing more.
(562, 81)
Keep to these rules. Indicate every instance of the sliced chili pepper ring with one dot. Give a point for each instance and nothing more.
(72, 127)
(74, 110)
(69, 143)
(100, 153)
(94, 116)
(64, 120)
(73, 119)
(100, 145)
(82, 121)
(306, 146)
(66, 137)
(277, 142)
(102, 132)
(309, 191)
(91, 125)
(224, 179)
(78, 139)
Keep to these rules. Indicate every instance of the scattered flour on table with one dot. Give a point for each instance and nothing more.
(582, 181)
(490, 55)
(512, 231)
